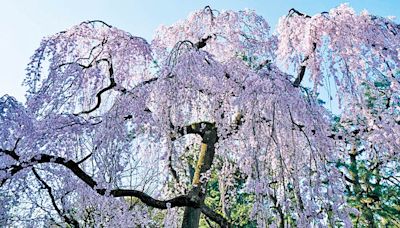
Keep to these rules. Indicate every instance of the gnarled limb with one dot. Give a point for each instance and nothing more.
(67, 219)
(109, 87)
(189, 200)
(294, 11)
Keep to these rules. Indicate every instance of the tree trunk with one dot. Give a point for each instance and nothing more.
(191, 216)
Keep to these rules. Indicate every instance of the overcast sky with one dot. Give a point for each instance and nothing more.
(25, 22)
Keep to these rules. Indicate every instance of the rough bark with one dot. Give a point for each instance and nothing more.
(191, 215)
(193, 201)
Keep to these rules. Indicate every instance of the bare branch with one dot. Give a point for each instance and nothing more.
(84, 159)
(293, 11)
(67, 219)
(179, 201)
(92, 22)
(12, 152)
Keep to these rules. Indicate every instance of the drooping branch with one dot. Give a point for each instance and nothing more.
(92, 22)
(179, 201)
(75, 169)
(94, 58)
(49, 190)
(12, 152)
(67, 219)
(217, 218)
(109, 87)
(171, 168)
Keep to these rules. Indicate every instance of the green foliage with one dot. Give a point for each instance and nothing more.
(241, 203)
(372, 193)
(373, 185)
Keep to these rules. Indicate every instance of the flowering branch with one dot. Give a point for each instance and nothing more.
(188, 200)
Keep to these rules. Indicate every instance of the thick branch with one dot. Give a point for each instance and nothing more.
(109, 87)
(74, 168)
(171, 168)
(302, 69)
(294, 11)
(219, 219)
(179, 201)
(202, 43)
(45, 158)
(197, 128)
(11, 152)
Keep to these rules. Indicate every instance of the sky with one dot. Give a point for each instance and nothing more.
(25, 22)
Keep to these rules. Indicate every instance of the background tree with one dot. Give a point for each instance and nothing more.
(111, 117)
(371, 173)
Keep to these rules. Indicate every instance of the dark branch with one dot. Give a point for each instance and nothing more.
(302, 69)
(74, 168)
(197, 128)
(84, 159)
(109, 87)
(202, 43)
(179, 201)
(45, 158)
(348, 179)
(263, 64)
(146, 82)
(92, 22)
(68, 220)
(12, 152)
(49, 190)
(294, 11)
(101, 45)
(219, 219)
(171, 168)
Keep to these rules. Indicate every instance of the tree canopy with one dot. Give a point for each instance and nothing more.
(213, 119)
